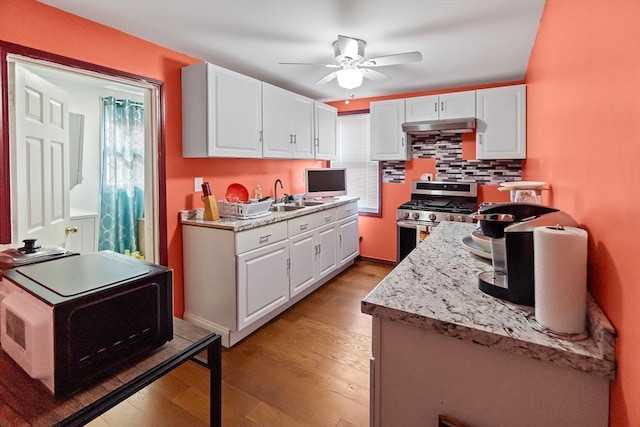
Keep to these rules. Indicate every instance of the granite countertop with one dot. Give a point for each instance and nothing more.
(195, 216)
(436, 288)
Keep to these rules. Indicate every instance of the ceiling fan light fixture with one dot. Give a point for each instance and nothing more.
(349, 78)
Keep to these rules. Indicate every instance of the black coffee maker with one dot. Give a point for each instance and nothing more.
(509, 227)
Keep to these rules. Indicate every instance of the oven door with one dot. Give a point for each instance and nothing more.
(410, 233)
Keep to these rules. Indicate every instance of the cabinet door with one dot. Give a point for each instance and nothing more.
(221, 113)
(326, 131)
(327, 254)
(82, 235)
(302, 114)
(458, 105)
(422, 108)
(388, 142)
(277, 128)
(263, 284)
(501, 127)
(348, 240)
(302, 254)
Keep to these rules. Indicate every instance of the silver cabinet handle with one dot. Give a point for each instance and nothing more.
(328, 219)
(69, 230)
(295, 138)
(265, 238)
(435, 107)
(442, 106)
(480, 138)
(303, 226)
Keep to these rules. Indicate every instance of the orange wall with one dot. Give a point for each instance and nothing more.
(583, 122)
(379, 234)
(64, 34)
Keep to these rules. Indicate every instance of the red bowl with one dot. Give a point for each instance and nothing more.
(237, 193)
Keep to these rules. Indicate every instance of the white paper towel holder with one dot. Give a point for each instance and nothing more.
(559, 335)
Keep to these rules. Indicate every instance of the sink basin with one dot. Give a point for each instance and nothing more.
(310, 203)
(285, 208)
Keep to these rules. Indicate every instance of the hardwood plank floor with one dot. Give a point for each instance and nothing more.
(307, 367)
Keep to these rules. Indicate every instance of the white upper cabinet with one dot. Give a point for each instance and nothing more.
(287, 124)
(501, 125)
(221, 113)
(388, 142)
(454, 105)
(326, 131)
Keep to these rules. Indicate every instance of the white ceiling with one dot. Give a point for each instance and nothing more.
(463, 42)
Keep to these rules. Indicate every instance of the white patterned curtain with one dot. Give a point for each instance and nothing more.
(122, 194)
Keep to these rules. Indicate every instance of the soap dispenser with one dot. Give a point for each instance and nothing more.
(258, 192)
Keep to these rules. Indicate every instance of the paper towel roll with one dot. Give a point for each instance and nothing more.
(560, 272)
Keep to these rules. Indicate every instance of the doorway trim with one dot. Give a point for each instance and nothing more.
(7, 48)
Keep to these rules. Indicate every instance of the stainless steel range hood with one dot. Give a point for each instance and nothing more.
(436, 127)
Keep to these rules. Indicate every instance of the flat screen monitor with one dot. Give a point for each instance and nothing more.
(326, 182)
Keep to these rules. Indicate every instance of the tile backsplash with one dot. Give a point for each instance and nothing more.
(447, 150)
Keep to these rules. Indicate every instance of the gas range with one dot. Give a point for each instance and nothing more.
(436, 201)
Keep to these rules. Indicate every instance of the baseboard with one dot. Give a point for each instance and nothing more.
(376, 260)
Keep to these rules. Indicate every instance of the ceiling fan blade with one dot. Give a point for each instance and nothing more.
(308, 63)
(349, 47)
(399, 58)
(374, 75)
(326, 78)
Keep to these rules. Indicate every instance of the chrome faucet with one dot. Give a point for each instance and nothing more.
(275, 190)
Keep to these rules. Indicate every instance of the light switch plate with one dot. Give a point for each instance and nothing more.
(197, 183)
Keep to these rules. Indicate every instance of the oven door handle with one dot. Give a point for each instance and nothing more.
(408, 224)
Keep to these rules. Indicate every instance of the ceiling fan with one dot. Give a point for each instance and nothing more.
(349, 53)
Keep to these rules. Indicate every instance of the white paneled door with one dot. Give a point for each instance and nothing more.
(40, 188)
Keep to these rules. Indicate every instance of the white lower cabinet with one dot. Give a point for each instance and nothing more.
(262, 282)
(348, 240)
(302, 266)
(348, 237)
(326, 256)
(82, 233)
(255, 274)
(313, 256)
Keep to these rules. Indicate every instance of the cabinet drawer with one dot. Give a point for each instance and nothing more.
(261, 236)
(349, 209)
(309, 222)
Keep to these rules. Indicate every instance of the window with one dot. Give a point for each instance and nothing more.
(363, 175)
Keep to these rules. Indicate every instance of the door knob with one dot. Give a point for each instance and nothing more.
(69, 230)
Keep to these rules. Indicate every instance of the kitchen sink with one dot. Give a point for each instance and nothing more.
(310, 203)
(285, 208)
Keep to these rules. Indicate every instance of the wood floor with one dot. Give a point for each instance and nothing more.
(307, 367)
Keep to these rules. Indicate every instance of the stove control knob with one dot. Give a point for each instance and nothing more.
(432, 217)
(461, 218)
(449, 217)
(416, 216)
(405, 215)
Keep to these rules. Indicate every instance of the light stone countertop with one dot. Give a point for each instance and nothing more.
(195, 216)
(436, 288)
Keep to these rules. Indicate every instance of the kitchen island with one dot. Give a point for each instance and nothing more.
(443, 347)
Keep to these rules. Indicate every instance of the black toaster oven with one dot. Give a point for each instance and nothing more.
(70, 321)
